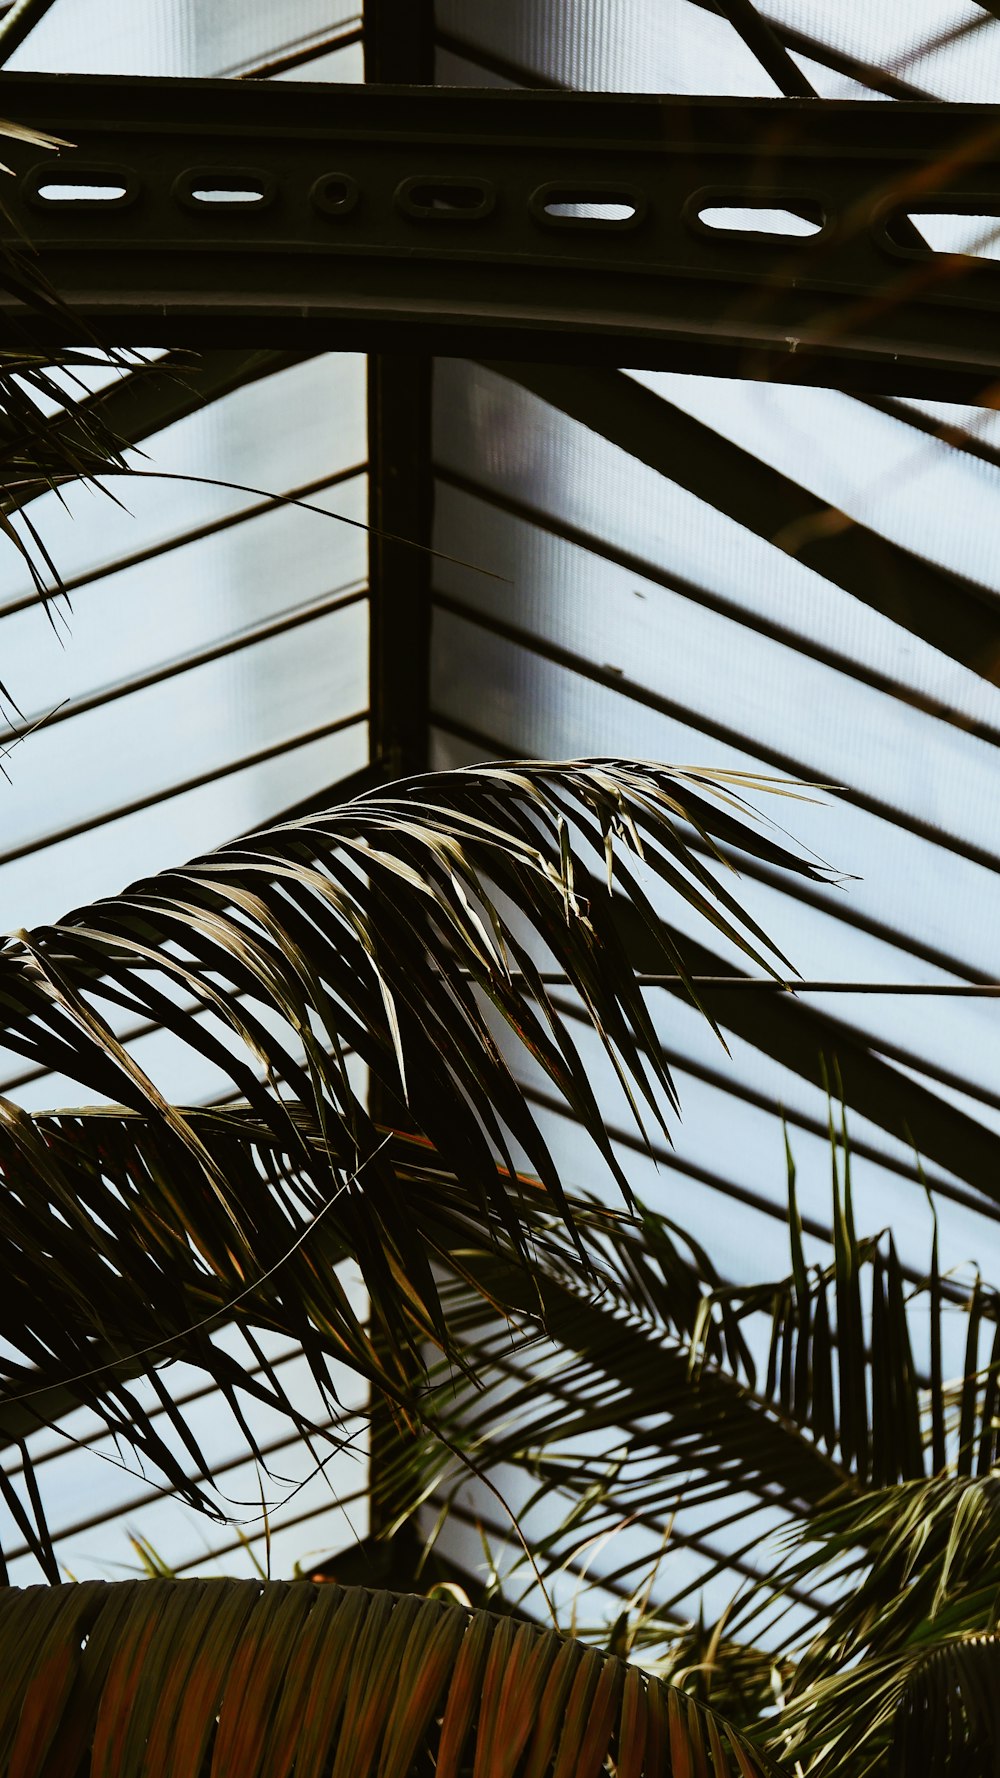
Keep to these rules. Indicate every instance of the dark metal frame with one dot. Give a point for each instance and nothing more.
(399, 48)
(864, 306)
(429, 219)
(398, 39)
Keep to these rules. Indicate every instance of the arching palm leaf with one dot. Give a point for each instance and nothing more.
(405, 929)
(947, 1723)
(901, 1676)
(153, 1679)
(656, 1373)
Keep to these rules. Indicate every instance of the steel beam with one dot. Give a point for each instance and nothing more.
(393, 218)
(399, 47)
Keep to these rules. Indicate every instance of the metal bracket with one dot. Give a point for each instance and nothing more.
(558, 226)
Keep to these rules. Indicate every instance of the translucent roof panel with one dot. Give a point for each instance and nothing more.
(184, 37)
(630, 615)
(208, 670)
(947, 49)
(634, 46)
(207, 631)
(951, 48)
(97, 1500)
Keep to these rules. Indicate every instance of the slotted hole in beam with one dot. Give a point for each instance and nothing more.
(591, 206)
(733, 219)
(62, 191)
(459, 199)
(948, 232)
(224, 193)
(589, 211)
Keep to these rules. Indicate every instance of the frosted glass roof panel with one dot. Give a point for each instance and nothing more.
(944, 48)
(638, 46)
(526, 703)
(177, 37)
(777, 699)
(198, 722)
(197, 596)
(212, 672)
(951, 47)
(247, 437)
(239, 623)
(916, 489)
(95, 1501)
(42, 885)
(507, 439)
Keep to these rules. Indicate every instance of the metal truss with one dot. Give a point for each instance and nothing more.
(558, 226)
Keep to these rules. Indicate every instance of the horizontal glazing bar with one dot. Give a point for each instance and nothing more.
(759, 622)
(300, 58)
(160, 796)
(798, 769)
(774, 984)
(211, 529)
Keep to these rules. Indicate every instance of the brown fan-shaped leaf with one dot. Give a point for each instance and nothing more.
(153, 1679)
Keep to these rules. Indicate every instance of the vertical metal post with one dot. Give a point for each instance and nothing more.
(399, 50)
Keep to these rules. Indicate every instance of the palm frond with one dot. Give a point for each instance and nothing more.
(736, 1678)
(947, 1723)
(841, 1352)
(404, 929)
(908, 1637)
(49, 428)
(151, 1679)
(591, 1392)
(643, 1399)
(51, 431)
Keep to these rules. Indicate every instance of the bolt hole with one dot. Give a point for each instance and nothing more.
(335, 194)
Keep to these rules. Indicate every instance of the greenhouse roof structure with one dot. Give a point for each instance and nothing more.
(628, 388)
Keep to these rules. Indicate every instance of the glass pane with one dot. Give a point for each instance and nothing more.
(272, 437)
(176, 37)
(46, 884)
(194, 724)
(636, 46)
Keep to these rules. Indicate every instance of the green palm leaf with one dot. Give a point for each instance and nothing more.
(154, 1679)
(907, 1650)
(576, 1367)
(655, 1372)
(947, 1723)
